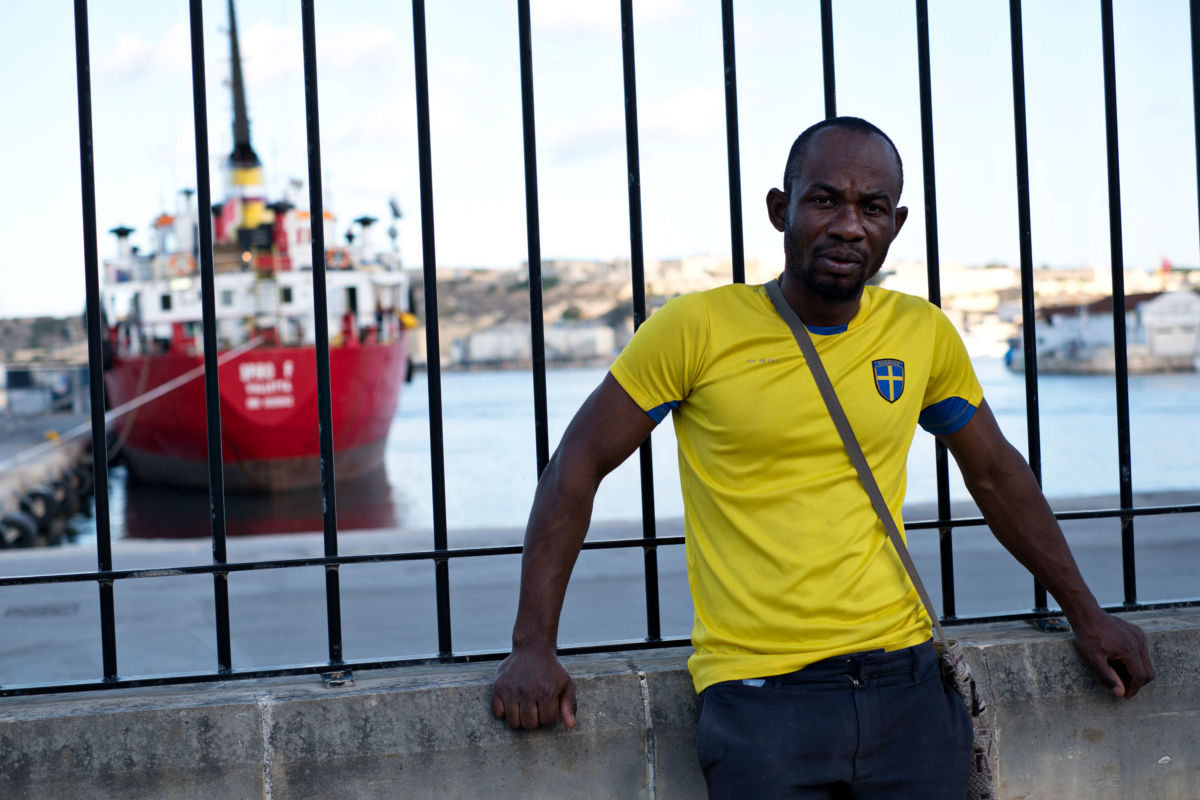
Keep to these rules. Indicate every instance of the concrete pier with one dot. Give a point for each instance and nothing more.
(427, 732)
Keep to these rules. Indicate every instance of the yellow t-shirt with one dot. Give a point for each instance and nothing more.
(787, 561)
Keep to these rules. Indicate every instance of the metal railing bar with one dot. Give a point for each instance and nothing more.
(1042, 613)
(633, 164)
(91, 268)
(1194, 15)
(541, 413)
(319, 561)
(1124, 451)
(933, 269)
(732, 147)
(827, 59)
(333, 602)
(650, 535)
(212, 391)
(292, 670)
(1064, 516)
(638, 276)
(433, 363)
(1025, 233)
(1025, 237)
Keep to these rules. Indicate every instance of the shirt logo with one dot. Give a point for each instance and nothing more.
(889, 378)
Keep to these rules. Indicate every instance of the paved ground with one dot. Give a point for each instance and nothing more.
(165, 624)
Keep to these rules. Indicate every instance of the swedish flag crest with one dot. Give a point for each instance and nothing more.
(889, 378)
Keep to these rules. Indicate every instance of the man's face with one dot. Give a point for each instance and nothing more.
(839, 215)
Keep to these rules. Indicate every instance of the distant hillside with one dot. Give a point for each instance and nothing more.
(43, 339)
(472, 300)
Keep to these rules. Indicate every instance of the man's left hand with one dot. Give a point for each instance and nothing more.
(1116, 652)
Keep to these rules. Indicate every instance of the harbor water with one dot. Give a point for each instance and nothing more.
(490, 457)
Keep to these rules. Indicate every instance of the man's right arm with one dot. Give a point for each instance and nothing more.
(531, 688)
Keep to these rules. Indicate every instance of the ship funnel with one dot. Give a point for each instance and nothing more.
(122, 233)
(364, 239)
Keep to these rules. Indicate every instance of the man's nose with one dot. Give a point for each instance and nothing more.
(847, 223)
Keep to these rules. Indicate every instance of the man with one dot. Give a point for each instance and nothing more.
(813, 659)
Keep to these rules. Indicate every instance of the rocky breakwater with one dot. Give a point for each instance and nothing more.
(45, 477)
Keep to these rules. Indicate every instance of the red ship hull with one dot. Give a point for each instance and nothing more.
(269, 431)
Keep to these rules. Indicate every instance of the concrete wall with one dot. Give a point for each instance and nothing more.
(427, 732)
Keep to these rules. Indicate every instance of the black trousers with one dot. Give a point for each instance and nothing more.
(868, 726)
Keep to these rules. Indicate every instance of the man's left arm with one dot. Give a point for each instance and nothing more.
(1007, 493)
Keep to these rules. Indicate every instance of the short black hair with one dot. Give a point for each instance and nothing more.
(799, 149)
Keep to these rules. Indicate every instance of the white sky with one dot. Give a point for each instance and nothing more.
(144, 149)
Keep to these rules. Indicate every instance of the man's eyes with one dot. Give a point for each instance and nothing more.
(825, 201)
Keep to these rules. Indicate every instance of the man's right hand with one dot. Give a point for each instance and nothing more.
(532, 690)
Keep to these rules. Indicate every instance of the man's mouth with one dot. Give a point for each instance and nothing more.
(840, 262)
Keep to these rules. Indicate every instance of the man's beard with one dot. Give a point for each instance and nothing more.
(826, 288)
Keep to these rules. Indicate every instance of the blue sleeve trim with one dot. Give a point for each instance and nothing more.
(659, 413)
(946, 416)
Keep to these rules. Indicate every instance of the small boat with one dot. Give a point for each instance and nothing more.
(266, 337)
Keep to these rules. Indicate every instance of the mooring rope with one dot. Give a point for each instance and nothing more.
(125, 408)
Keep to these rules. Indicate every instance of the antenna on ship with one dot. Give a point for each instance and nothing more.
(392, 231)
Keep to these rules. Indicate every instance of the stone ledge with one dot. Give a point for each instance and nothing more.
(428, 731)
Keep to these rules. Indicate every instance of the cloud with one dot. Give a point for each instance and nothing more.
(272, 52)
(132, 57)
(691, 114)
(581, 139)
(601, 19)
(368, 50)
(779, 31)
(696, 113)
(386, 122)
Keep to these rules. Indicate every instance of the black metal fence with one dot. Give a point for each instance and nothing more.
(440, 556)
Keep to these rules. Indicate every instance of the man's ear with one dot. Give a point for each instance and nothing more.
(901, 215)
(777, 203)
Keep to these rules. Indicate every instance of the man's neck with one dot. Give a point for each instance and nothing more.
(815, 311)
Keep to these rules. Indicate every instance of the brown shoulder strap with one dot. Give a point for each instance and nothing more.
(850, 441)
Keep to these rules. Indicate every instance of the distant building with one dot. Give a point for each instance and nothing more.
(664, 277)
(674, 276)
(1162, 335)
(566, 343)
(982, 302)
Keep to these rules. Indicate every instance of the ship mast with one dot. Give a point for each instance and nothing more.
(244, 217)
(243, 154)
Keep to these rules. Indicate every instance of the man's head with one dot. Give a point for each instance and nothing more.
(839, 213)
(799, 149)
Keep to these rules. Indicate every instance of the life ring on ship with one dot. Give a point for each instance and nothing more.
(338, 258)
(182, 266)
